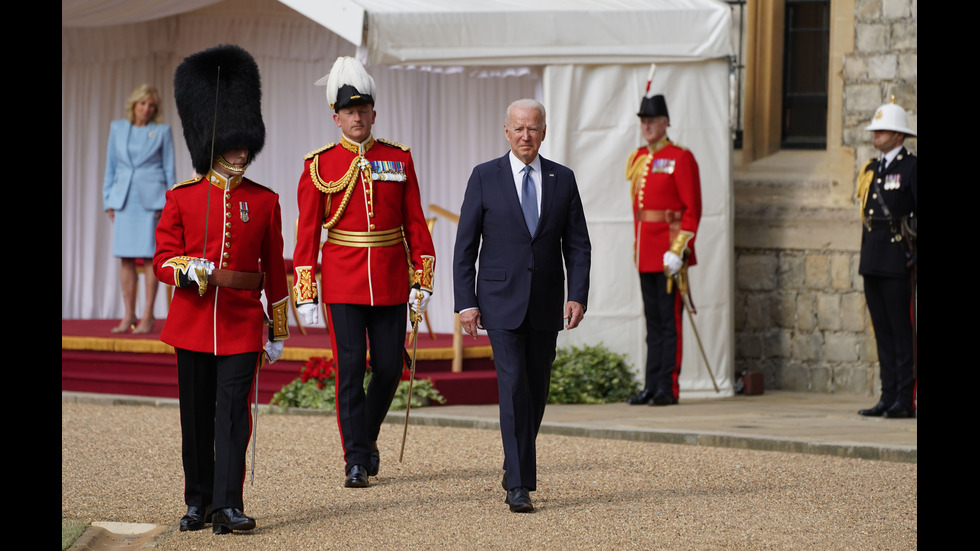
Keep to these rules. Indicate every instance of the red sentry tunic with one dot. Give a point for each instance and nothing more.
(244, 234)
(663, 177)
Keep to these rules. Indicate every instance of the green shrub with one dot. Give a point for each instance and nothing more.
(314, 389)
(590, 375)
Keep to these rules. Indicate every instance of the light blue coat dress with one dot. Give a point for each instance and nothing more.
(139, 170)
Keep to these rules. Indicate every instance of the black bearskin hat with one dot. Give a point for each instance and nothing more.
(239, 107)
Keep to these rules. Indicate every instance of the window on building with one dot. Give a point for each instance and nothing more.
(805, 59)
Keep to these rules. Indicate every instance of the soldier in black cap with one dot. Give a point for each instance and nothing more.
(219, 241)
(665, 188)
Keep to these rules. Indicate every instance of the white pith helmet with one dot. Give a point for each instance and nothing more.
(891, 116)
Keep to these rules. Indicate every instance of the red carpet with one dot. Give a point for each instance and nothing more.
(93, 360)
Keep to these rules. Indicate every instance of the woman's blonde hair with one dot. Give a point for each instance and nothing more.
(140, 92)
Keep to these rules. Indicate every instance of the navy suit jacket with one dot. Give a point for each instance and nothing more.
(519, 274)
(152, 171)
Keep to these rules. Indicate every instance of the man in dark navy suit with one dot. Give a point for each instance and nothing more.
(522, 215)
(888, 191)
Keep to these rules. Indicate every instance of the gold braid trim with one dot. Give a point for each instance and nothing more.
(863, 185)
(280, 329)
(304, 289)
(403, 147)
(346, 183)
(636, 170)
(424, 277)
(180, 265)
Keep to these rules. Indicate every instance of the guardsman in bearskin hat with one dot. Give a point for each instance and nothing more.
(219, 241)
(364, 194)
(666, 195)
(886, 189)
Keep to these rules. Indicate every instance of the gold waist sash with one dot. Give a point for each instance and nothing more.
(383, 238)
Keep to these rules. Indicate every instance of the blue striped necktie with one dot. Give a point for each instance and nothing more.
(529, 201)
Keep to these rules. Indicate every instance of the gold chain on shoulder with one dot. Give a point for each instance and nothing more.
(346, 183)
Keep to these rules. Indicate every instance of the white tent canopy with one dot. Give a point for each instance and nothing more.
(542, 32)
(587, 61)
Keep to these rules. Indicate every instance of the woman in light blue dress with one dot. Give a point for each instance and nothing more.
(139, 170)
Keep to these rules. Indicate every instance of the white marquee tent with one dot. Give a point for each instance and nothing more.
(445, 70)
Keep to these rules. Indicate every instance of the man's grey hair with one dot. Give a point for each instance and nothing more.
(527, 103)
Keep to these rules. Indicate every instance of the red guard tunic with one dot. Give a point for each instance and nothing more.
(244, 233)
(378, 243)
(666, 191)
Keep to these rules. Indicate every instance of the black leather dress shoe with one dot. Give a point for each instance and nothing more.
(357, 477)
(645, 397)
(195, 519)
(375, 462)
(519, 500)
(229, 519)
(877, 411)
(898, 411)
(663, 399)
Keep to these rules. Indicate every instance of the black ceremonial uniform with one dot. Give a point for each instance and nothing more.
(888, 195)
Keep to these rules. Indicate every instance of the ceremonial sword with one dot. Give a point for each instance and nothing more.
(411, 378)
(682, 288)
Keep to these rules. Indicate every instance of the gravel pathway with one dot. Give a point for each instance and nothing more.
(122, 463)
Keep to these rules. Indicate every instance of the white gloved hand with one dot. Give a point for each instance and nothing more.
(672, 263)
(273, 349)
(413, 298)
(310, 312)
(198, 270)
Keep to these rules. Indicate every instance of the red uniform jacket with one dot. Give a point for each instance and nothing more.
(244, 234)
(666, 192)
(378, 243)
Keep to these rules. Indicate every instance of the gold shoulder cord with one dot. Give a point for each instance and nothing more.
(636, 170)
(346, 183)
(863, 185)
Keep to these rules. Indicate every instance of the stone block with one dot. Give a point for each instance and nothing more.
(792, 376)
(784, 310)
(738, 308)
(748, 345)
(867, 9)
(842, 347)
(817, 271)
(807, 347)
(806, 312)
(792, 270)
(904, 35)
(821, 379)
(895, 9)
(777, 344)
(883, 67)
(855, 68)
(863, 99)
(854, 313)
(828, 312)
(868, 346)
(852, 379)
(756, 272)
(840, 270)
(757, 311)
(873, 37)
(908, 68)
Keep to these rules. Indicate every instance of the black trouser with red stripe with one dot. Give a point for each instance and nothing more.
(360, 415)
(215, 425)
(663, 317)
(889, 302)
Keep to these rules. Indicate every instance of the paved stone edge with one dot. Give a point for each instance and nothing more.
(899, 454)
